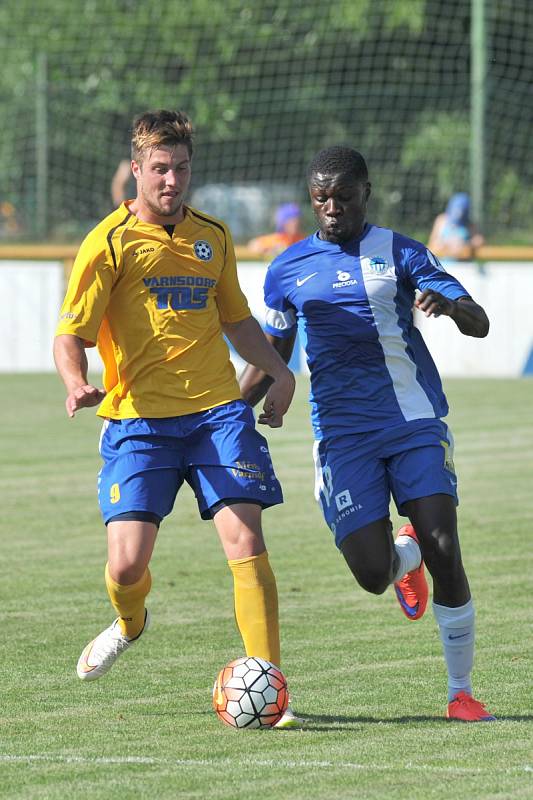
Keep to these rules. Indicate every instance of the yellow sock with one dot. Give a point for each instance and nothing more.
(128, 602)
(256, 606)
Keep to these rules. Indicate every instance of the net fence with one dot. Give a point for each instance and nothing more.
(267, 83)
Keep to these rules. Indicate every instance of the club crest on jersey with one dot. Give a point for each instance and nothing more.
(203, 250)
(375, 265)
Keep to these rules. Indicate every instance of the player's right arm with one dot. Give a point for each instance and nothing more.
(90, 283)
(71, 363)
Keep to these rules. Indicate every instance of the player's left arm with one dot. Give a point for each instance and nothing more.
(253, 382)
(469, 317)
(441, 294)
(251, 344)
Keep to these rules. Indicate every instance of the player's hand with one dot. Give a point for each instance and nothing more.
(277, 400)
(83, 397)
(434, 304)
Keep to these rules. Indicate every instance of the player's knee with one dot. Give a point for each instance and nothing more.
(373, 582)
(371, 566)
(442, 553)
(373, 579)
(126, 573)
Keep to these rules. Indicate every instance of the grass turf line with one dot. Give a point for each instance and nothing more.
(371, 684)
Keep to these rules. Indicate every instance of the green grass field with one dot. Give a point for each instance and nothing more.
(371, 684)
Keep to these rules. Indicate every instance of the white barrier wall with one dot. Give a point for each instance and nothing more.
(505, 290)
(33, 292)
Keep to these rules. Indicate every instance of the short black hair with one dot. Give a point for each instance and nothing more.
(338, 160)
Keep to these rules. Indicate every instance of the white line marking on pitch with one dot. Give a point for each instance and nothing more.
(212, 762)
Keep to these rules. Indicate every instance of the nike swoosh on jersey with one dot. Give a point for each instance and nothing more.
(301, 281)
(458, 636)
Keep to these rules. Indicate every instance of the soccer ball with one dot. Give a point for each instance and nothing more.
(250, 693)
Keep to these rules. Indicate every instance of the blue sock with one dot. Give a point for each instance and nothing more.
(457, 633)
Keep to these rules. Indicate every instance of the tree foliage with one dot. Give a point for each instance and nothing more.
(266, 82)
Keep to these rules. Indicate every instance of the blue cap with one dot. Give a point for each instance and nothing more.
(458, 208)
(286, 212)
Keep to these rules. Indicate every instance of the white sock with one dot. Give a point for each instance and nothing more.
(409, 555)
(457, 633)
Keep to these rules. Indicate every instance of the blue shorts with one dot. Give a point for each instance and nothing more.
(218, 452)
(357, 473)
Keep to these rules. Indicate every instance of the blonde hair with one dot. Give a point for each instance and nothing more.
(160, 129)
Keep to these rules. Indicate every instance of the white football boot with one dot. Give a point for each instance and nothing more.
(99, 655)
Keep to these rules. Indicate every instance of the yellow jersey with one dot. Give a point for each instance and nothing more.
(152, 299)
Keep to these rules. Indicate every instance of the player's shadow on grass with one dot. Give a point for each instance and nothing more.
(322, 722)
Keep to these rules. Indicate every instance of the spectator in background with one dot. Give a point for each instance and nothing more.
(288, 231)
(454, 235)
(123, 185)
(9, 224)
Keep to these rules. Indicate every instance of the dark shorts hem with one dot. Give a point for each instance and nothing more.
(135, 516)
(400, 507)
(210, 512)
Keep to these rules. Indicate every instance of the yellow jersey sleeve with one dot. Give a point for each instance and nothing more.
(89, 288)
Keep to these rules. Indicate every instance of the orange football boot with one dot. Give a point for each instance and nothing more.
(412, 590)
(464, 708)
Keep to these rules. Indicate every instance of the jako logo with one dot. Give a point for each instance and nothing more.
(143, 250)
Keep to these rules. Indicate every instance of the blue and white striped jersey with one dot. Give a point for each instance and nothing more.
(369, 365)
